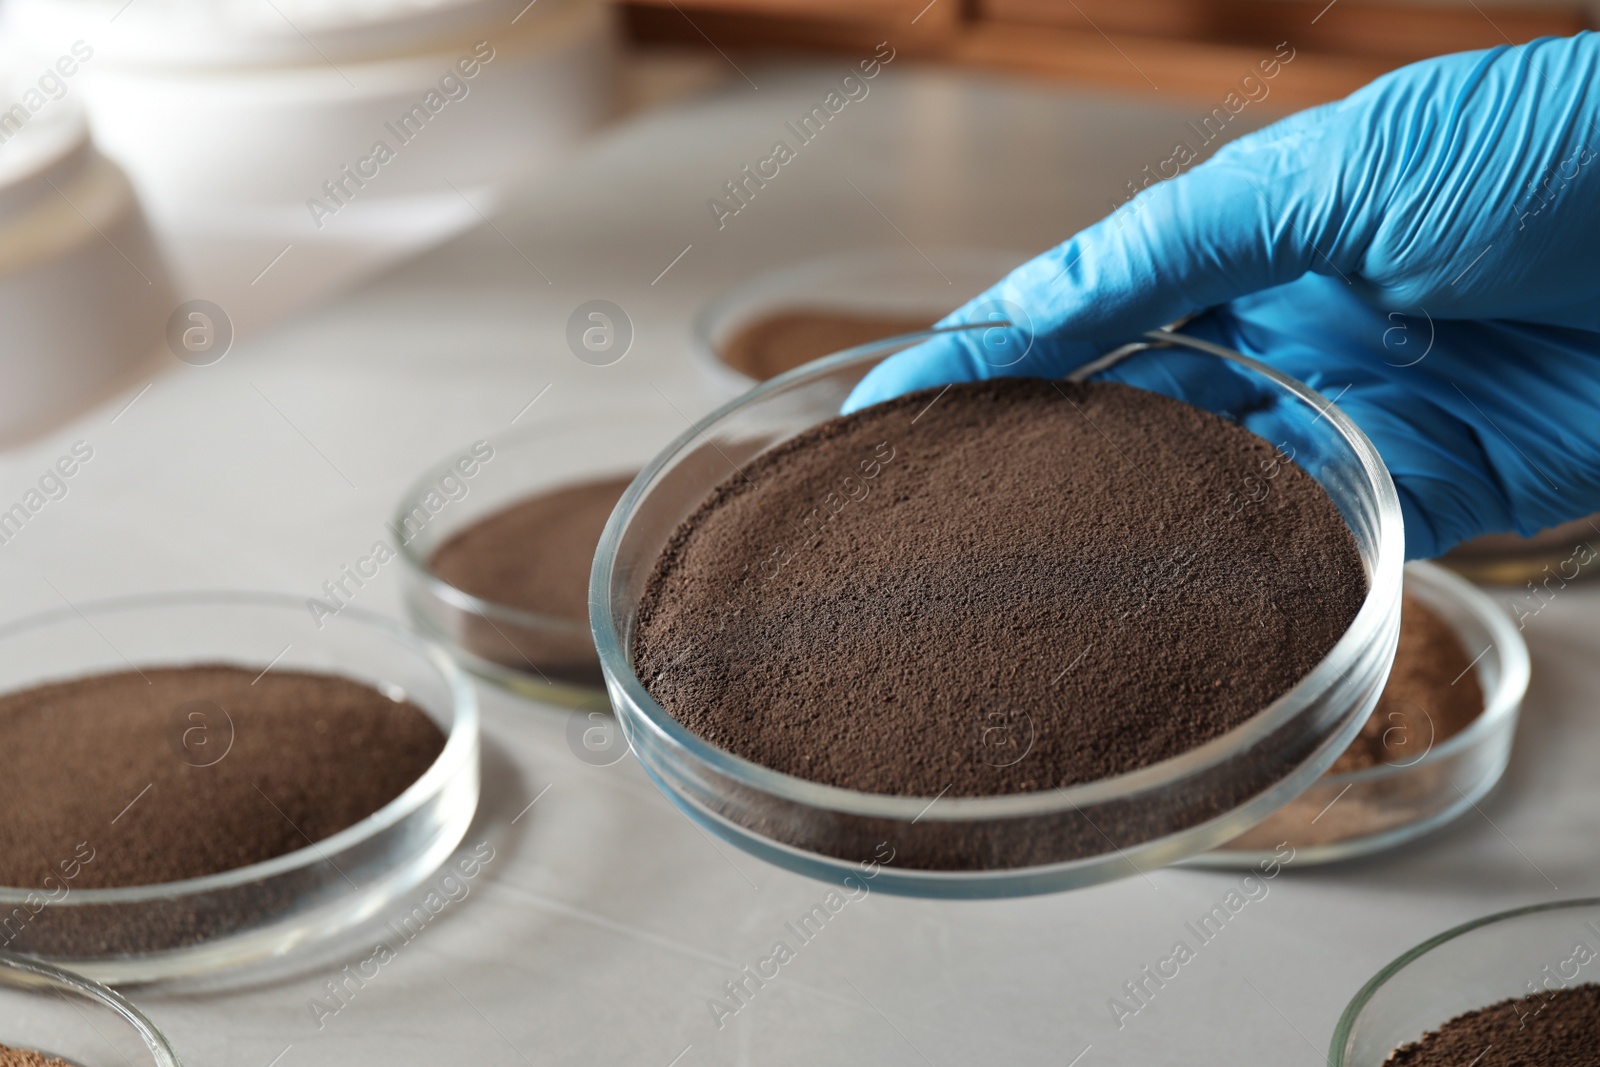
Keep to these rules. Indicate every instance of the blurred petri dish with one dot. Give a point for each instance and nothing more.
(523, 624)
(781, 319)
(64, 1015)
(1355, 814)
(251, 913)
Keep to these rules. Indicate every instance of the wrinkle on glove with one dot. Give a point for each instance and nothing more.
(1425, 249)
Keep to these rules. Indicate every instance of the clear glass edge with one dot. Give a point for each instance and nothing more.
(1343, 1030)
(418, 568)
(717, 312)
(460, 745)
(154, 1039)
(1501, 710)
(1503, 703)
(1506, 699)
(1387, 576)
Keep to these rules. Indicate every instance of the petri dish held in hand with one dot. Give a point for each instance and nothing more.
(822, 779)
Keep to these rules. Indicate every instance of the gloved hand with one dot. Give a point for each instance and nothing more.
(1425, 251)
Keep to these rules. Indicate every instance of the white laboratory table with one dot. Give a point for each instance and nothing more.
(606, 921)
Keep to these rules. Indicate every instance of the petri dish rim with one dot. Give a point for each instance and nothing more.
(1384, 587)
(56, 978)
(460, 744)
(1502, 707)
(1343, 1030)
(1504, 701)
(530, 459)
(778, 289)
(417, 564)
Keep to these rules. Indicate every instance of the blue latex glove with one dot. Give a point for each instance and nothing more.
(1426, 251)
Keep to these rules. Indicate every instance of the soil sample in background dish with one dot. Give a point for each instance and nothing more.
(1432, 695)
(162, 774)
(1555, 1029)
(1562, 551)
(780, 341)
(534, 556)
(1003, 587)
(22, 1057)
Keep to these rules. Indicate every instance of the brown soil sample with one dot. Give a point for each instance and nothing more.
(1005, 587)
(783, 340)
(1561, 1029)
(23, 1057)
(1565, 552)
(178, 772)
(1431, 695)
(534, 556)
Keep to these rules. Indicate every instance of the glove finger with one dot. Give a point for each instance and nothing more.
(1002, 342)
(1252, 218)
(1486, 427)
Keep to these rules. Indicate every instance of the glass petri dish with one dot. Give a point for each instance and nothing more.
(874, 285)
(1483, 962)
(174, 929)
(1366, 811)
(65, 1015)
(1026, 843)
(542, 656)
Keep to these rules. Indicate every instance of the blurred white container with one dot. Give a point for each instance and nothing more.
(83, 292)
(237, 118)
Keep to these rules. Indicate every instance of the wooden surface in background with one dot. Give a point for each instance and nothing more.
(1399, 31)
(1191, 48)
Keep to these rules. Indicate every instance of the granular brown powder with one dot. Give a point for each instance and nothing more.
(177, 772)
(1005, 587)
(24, 1057)
(535, 556)
(783, 340)
(1432, 695)
(1561, 1029)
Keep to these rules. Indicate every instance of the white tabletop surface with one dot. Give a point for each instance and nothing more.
(607, 921)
